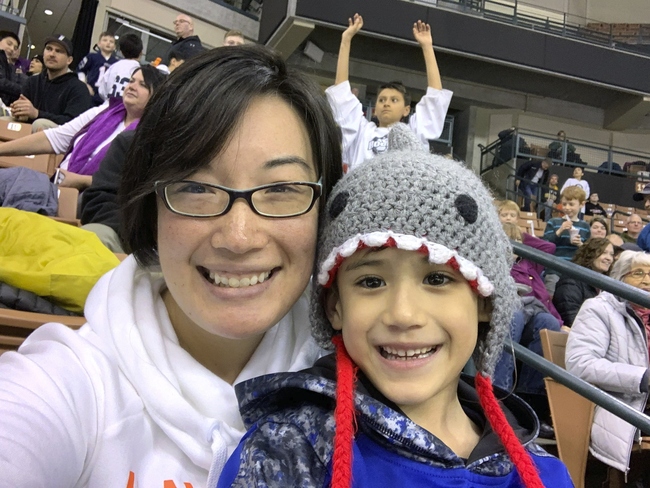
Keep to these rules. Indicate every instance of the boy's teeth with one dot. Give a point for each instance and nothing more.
(239, 282)
(407, 353)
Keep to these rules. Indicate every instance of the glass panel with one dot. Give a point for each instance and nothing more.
(155, 42)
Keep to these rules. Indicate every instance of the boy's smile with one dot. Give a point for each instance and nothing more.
(410, 325)
(571, 207)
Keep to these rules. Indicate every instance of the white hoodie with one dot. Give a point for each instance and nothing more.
(119, 403)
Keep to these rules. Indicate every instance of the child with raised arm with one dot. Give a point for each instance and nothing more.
(412, 280)
(362, 139)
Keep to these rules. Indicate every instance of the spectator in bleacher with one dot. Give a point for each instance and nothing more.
(36, 65)
(362, 139)
(568, 233)
(180, 54)
(510, 144)
(592, 207)
(634, 227)
(184, 29)
(92, 67)
(599, 228)
(556, 147)
(597, 254)
(608, 347)
(551, 197)
(144, 391)
(56, 96)
(85, 139)
(116, 77)
(529, 176)
(233, 38)
(643, 196)
(10, 86)
(577, 180)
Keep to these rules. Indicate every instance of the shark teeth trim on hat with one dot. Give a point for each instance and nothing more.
(438, 254)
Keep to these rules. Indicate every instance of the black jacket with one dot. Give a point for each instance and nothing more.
(19, 299)
(99, 203)
(10, 86)
(186, 44)
(59, 100)
(569, 296)
(528, 170)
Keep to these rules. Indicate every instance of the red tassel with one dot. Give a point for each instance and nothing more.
(346, 372)
(519, 456)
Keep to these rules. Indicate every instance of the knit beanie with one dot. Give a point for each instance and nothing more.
(412, 200)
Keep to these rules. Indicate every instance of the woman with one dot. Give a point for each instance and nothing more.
(599, 228)
(35, 65)
(142, 395)
(570, 293)
(85, 139)
(608, 347)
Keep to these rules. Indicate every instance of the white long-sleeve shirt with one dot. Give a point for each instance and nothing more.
(119, 403)
(362, 140)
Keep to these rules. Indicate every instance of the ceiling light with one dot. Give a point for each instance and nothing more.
(32, 47)
(48, 11)
(117, 37)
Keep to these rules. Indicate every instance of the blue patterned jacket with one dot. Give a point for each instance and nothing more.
(290, 417)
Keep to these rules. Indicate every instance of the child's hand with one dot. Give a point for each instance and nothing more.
(576, 240)
(566, 225)
(354, 25)
(422, 33)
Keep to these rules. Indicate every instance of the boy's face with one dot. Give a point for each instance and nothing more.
(577, 173)
(10, 47)
(553, 180)
(390, 107)
(593, 198)
(107, 44)
(509, 216)
(571, 207)
(411, 326)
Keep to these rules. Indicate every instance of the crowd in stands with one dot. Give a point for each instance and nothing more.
(198, 366)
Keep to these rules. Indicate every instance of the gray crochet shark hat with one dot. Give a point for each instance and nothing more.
(413, 200)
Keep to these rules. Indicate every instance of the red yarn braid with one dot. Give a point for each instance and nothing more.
(520, 458)
(346, 372)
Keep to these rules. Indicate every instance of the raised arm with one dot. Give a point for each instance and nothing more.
(422, 34)
(343, 64)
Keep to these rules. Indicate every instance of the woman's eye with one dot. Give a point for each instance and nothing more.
(370, 282)
(437, 279)
(192, 188)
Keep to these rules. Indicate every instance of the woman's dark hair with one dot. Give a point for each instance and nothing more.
(153, 77)
(191, 118)
(590, 250)
(600, 220)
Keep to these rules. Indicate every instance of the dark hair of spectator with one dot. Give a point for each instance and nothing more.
(4, 34)
(233, 33)
(397, 85)
(183, 53)
(600, 220)
(590, 250)
(130, 46)
(191, 118)
(153, 77)
(106, 34)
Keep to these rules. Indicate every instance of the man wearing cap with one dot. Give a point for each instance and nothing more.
(643, 196)
(56, 96)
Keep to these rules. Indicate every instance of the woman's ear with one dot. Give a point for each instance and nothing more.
(333, 308)
(484, 309)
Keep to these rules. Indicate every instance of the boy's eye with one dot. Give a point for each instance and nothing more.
(437, 279)
(371, 282)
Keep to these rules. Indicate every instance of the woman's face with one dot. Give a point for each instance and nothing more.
(639, 276)
(270, 145)
(136, 95)
(598, 230)
(603, 262)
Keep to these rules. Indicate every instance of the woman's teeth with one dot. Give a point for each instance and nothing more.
(406, 354)
(239, 282)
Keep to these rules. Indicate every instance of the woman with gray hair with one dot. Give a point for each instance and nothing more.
(608, 347)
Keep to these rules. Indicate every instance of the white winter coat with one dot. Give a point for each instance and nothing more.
(607, 347)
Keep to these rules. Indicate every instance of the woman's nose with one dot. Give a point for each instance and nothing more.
(241, 230)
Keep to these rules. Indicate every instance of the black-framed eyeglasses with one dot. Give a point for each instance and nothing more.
(202, 200)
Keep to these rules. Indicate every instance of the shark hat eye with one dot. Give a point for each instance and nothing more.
(338, 204)
(467, 208)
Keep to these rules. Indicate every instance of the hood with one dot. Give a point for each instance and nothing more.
(60, 79)
(269, 394)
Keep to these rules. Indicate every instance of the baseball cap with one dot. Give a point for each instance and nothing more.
(640, 196)
(62, 41)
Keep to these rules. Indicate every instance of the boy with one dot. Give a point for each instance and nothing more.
(568, 233)
(362, 139)
(94, 64)
(233, 38)
(115, 79)
(9, 81)
(577, 180)
(592, 207)
(404, 272)
(551, 196)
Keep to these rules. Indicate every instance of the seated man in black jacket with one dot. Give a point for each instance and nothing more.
(56, 96)
(9, 81)
(99, 204)
(528, 178)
